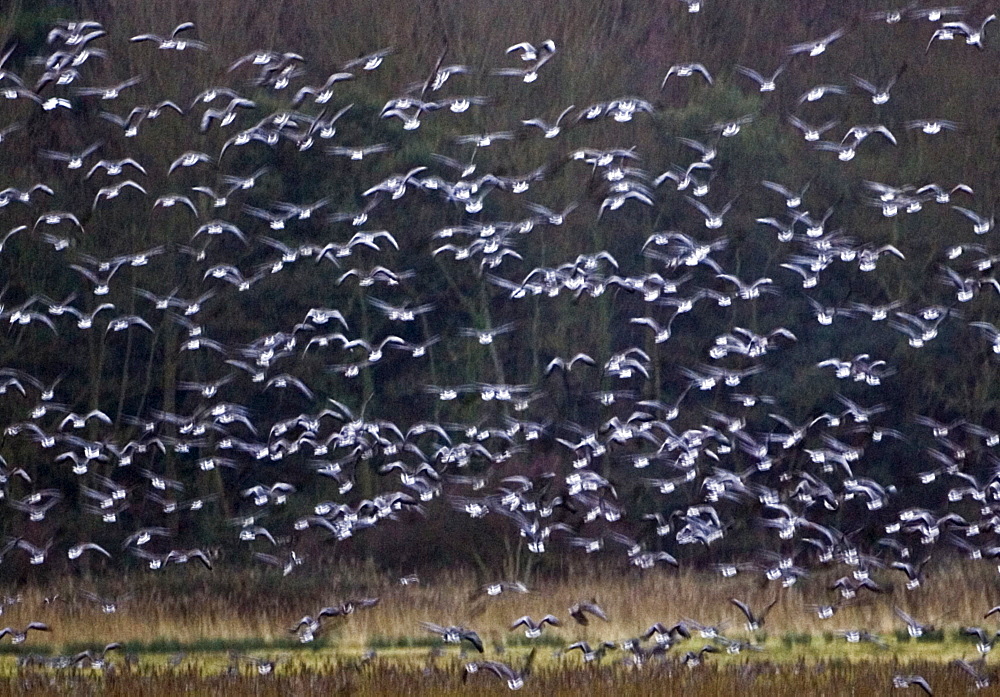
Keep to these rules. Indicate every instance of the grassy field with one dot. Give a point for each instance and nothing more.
(187, 627)
(221, 610)
(386, 677)
(205, 633)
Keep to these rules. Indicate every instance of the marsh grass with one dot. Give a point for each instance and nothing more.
(203, 613)
(445, 678)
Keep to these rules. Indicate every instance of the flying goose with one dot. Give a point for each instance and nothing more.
(975, 670)
(767, 84)
(96, 660)
(172, 42)
(984, 641)
(549, 130)
(811, 133)
(17, 636)
(590, 654)
(454, 635)
(981, 223)
(687, 70)
(816, 47)
(903, 681)
(973, 35)
(515, 678)
(529, 73)
(76, 551)
(879, 93)
(817, 92)
(793, 199)
(189, 159)
(111, 92)
(914, 628)
(693, 659)
(754, 621)
(533, 629)
(529, 53)
(495, 589)
(368, 62)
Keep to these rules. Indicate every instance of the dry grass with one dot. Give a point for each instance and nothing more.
(180, 632)
(255, 607)
(774, 680)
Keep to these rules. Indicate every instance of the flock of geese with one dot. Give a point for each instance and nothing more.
(805, 487)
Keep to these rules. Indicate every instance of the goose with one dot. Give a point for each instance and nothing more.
(76, 551)
(845, 152)
(533, 629)
(935, 14)
(975, 670)
(115, 167)
(943, 195)
(109, 192)
(973, 35)
(590, 654)
(855, 636)
(549, 216)
(984, 642)
(368, 62)
(454, 635)
(549, 130)
(707, 152)
(106, 93)
(18, 636)
(348, 607)
(903, 681)
(980, 223)
(485, 337)
(108, 605)
(687, 70)
(767, 84)
(713, 220)
(528, 74)
(862, 131)
(616, 201)
(358, 153)
(498, 588)
(622, 110)
(893, 16)
(18, 92)
(172, 42)
(484, 140)
(665, 634)
(827, 610)
(75, 33)
(728, 129)
(692, 659)
(514, 678)
(14, 194)
(879, 93)
(73, 160)
(754, 621)
(226, 115)
(323, 93)
(529, 53)
(95, 660)
(814, 94)
(793, 199)
(914, 629)
(189, 159)
(811, 133)
(816, 47)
